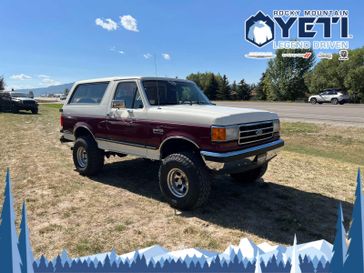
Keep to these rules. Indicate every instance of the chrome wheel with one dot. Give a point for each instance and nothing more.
(82, 157)
(178, 182)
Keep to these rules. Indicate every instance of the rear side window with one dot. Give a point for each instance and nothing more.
(89, 93)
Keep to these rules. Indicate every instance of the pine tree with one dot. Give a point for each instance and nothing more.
(338, 259)
(10, 260)
(2, 83)
(259, 89)
(212, 87)
(234, 91)
(244, 90)
(355, 255)
(295, 262)
(25, 247)
(223, 93)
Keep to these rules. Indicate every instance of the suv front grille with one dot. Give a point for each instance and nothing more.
(255, 132)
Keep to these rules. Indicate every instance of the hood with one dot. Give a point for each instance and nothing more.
(209, 114)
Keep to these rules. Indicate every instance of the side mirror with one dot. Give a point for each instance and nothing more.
(118, 104)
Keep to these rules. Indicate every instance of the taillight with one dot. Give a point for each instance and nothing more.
(61, 120)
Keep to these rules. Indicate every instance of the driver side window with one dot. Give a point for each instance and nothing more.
(128, 92)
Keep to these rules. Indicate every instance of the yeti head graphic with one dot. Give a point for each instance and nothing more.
(259, 29)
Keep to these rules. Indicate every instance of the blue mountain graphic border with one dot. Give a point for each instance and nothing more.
(16, 255)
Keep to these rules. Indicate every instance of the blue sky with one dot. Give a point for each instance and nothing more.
(49, 42)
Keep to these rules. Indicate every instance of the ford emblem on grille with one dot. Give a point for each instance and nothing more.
(259, 132)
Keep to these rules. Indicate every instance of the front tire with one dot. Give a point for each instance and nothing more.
(183, 180)
(87, 157)
(35, 111)
(250, 176)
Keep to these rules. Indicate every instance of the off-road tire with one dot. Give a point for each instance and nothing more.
(95, 156)
(250, 176)
(34, 111)
(313, 101)
(335, 101)
(198, 178)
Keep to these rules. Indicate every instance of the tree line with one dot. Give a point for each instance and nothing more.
(291, 79)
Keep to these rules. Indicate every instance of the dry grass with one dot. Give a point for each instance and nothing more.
(123, 208)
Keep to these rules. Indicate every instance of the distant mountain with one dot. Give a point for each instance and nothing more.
(54, 89)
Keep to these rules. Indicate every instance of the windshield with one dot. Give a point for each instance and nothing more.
(19, 95)
(163, 92)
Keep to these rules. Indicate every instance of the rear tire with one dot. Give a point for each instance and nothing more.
(335, 101)
(313, 101)
(87, 157)
(184, 181)
(250, 176)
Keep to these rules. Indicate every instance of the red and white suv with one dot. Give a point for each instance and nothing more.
(172, 121)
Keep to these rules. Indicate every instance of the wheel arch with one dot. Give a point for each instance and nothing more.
(82, 130)
(176, 144)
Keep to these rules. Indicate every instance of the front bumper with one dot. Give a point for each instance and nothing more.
(242, 160)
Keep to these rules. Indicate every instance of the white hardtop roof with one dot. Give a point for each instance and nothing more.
(117, 78)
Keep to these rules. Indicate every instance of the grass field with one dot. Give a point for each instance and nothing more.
(123, 208)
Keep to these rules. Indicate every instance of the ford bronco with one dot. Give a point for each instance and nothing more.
(172, 121)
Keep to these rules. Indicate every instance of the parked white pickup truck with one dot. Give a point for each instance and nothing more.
(172, 121)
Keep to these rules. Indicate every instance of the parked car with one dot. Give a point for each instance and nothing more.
(11, 101)
(332, 95)
(172, 121)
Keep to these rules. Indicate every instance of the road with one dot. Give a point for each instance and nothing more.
(348, 114)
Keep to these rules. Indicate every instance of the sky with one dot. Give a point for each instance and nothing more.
(47, 43)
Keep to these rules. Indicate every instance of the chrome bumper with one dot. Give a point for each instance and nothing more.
(238, 161)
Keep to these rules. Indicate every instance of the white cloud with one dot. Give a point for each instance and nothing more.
(148, 55)
(166, 56)
(20, 77)
(107, 24)
(49, 82)
(42, 76)
(129, 23)
(114, 49)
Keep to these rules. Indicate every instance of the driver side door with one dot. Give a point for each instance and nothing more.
(124, 125)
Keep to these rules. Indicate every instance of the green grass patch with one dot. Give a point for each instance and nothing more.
(292, 128)
(343, 144)
(52, 105)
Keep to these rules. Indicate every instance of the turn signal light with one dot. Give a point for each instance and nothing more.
(218, 134)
